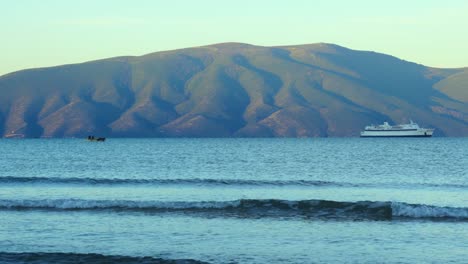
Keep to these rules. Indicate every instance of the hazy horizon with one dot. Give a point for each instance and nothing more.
(49, 33)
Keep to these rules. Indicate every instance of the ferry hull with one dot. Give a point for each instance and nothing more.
(386, 136)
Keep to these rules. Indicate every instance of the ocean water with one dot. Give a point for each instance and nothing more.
(329, 200)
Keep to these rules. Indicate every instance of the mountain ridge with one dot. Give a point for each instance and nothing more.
(233, 90)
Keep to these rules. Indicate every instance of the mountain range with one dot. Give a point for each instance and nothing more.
(233, 90)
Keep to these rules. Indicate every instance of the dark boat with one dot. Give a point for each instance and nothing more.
(92, 138)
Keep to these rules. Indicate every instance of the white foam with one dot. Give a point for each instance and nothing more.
(428, 211)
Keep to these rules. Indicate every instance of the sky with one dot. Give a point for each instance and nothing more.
(42, 33)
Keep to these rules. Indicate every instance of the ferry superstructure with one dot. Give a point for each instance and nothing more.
(403, 130)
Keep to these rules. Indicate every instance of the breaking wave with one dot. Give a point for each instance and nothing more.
(254, 208)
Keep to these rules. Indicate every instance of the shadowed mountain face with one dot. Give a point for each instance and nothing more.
(233, 90)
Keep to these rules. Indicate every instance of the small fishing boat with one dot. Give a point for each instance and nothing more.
(92, 138)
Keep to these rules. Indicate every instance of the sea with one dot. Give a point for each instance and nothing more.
(275, 200)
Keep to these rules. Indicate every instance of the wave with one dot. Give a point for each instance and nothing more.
(68, 258)
(429, 211)
(254, 208)
(196, 181)
(213, 182)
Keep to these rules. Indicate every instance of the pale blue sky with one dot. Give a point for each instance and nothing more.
(37, 33)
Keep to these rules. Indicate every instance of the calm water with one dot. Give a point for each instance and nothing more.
(235, 200)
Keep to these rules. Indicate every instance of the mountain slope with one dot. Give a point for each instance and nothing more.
(233, 89)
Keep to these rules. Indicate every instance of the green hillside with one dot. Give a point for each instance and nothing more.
(233, 90)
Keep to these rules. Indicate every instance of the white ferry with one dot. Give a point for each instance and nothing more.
(404, 130)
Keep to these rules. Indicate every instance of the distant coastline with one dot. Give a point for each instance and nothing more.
(233, 90)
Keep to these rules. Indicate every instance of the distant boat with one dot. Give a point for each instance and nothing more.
(92, 138)
(12, 135)
(404, 130)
